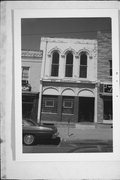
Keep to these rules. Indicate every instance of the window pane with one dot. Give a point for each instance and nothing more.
(54, 70)
(69, 58)
(68, 72)
(83, 71)
(50, 104)
(55, 59)
(83, 59)
(69, 65)
(55, 64)
(108, 109)
(68, 105)
(83, 65)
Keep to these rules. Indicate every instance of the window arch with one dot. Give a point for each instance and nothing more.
(83, 65)
(69, 65)
(55, 64)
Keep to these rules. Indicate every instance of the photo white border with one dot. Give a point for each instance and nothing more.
(57, 13)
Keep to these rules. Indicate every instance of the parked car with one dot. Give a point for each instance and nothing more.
(33, 132)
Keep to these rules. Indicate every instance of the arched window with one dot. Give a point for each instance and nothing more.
(69, 65)
(55, 64)
(83, 65)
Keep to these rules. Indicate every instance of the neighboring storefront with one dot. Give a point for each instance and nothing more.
(31, 67)
(104, 73)
(106, 95)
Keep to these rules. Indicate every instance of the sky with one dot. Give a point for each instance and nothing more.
(33, 29)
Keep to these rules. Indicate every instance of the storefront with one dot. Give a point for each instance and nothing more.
(30, 105)
(75, 103)
(106, 97)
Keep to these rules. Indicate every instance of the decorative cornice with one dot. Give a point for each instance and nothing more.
(32, 54)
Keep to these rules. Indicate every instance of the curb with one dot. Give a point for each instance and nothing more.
(78, 125)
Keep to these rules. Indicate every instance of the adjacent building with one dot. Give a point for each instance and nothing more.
(104, 78)
(31, 69)
(71, 78)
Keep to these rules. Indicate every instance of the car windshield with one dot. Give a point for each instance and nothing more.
(28, 123)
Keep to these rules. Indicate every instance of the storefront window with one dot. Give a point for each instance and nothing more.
(107, 109)
(50, 104)
(29, 106)
(68, 105)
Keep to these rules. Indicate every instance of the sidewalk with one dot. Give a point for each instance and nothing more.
(76, 134)
(84, 131)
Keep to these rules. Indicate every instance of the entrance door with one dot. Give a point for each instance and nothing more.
(86, 109)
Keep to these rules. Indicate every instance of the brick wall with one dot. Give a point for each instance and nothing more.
(104, 55)
(59, 116)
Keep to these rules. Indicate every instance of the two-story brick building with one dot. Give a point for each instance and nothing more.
(104, 78)
(69, 80)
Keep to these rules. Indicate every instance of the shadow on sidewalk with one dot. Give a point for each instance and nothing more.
(86, 146)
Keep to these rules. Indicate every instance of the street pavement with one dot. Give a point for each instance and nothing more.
(83, 139)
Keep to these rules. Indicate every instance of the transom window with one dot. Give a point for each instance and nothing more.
(69, 65)
(55, 64)
(83, 65)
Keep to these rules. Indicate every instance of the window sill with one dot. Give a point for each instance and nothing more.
(67, 114)
(48, 113)
(108, 121)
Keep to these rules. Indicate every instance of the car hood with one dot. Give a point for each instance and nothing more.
(52, 127)
(41, 128)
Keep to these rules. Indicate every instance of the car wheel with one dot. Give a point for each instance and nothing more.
(29, 139)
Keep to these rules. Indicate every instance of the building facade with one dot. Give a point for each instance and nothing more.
(68, 80)
(104, 76)
(31, 69)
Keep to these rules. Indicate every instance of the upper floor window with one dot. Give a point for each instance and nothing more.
(83, 65)
(25, 73)
(110, 67)
(69, 65)
(55, 64)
